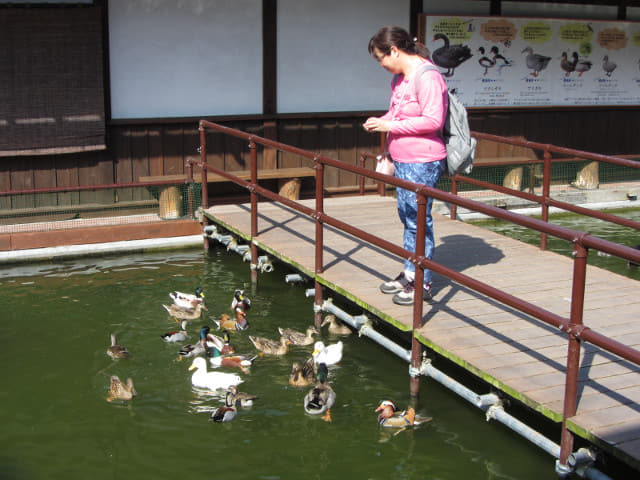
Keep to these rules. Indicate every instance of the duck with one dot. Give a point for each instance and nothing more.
(449, 56)
(500, 60)
(115, 350)
(243, 362)
(303, 374)
(567, 65)
(608, 66)
(119, 390)
(390, 416)
(581, 66)
(179, 313)
(177, 336)
(484, 61)
(240, 300)
(322, 397)
(225, 413)
(335, 326)
(330, 354)
(299, 338)
(187, 300)
(235, 398)
(207, 344)
(535, 61)
(226, 322)
(201, 378)
(271, 347)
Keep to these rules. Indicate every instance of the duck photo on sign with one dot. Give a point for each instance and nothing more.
(449, 56)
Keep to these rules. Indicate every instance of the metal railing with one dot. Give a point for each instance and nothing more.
(573, 325)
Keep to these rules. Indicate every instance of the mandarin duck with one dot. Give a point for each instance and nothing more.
(390, 416)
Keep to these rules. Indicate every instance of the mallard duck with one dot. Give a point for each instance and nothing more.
(119, 390)
(335, 326)
(299, 338)
(535, 61)
(225, 413)
(207, 344)
(242, 362)
(226, 322)
(235, 398)
(303, 374)
(179, 313)
(608, 66)
(211, 380)
(177, 336)
(390, 416)
(187, 300)
(449, 56)
(484, 61)
(320, 398)
(271, 347)
(329, 354)
(115, 350)
(240, 300)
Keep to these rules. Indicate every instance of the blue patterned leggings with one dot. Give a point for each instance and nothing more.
(426, 174)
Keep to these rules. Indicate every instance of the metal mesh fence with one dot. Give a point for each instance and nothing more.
(29, 211)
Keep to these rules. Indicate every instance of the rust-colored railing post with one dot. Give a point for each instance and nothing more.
(453, 208)
(361, 164)
(418, 281)
(573, 355)
(319, 247)
(546, 192)
(254, 210)
(203, 179)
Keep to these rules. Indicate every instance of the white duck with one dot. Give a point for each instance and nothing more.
(211, 380)
(330, 354)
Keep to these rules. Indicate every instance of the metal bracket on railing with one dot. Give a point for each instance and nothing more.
(264, 264)
(491, 411)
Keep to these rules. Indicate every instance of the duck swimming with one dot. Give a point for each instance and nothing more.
(115, 350)
(201, 378)
(299, 338)
(226, 322)
(535, 61)
(320, 398)
(271, 347)
(449, 56)
(206, 344)
(239, 399)
(390, 416)
(187, 300)
(225, 413)
(243, 362)
(303, 374)
(329, 355)
(119, 390)
(179, 313)
(177, 336)
(335, 326)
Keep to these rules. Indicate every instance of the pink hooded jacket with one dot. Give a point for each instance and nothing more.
(417, 112)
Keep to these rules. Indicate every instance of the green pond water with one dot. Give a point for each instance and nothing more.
(57, 424)
(605, 230)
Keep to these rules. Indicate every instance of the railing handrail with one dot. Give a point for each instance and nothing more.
(573, 325)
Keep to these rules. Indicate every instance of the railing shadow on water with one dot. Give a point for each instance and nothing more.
(572, 326)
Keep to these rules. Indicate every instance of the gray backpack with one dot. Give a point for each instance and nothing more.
(461, 146)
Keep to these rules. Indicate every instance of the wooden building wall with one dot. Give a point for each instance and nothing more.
(136, 150)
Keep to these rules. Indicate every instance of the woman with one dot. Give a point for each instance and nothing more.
(414, 124)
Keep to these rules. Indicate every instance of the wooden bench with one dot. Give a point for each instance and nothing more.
(289, 182)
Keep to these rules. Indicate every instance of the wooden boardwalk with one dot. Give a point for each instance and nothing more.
(512, 351)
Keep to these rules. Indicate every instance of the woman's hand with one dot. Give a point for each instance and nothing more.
(375, 124)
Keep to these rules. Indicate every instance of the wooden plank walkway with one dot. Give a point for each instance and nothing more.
(512, 351)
